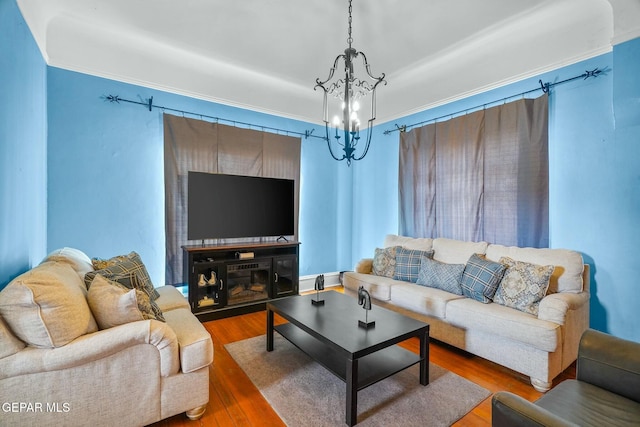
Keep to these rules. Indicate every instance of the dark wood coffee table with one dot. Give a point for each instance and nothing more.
(360, 357)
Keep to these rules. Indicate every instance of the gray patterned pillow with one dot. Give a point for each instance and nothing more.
(122, 266)
(408, 263)
(481, 278)
(436, 274)
(523, 285)
(384, 261)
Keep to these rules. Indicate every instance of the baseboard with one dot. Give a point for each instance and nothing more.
(307, 283)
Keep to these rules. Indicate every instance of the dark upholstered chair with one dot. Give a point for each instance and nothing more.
(606, 391)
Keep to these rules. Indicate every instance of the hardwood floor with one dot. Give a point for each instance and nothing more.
(235, 401)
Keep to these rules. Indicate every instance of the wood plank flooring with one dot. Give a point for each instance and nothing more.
(235, 401)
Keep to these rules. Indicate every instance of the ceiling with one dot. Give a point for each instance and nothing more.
(265, 55)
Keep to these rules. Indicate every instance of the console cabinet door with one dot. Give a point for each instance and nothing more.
(285, 276)
(207, 286)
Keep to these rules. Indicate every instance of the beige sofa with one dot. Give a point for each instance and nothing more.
(540, 346)
(59, 368)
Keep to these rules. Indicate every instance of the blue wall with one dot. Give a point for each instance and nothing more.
(102, 164)
(594, 157)
(23, 145)
(106, 182)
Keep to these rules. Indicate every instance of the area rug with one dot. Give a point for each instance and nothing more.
(303, 393)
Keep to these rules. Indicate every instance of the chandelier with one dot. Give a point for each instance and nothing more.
(348, 94)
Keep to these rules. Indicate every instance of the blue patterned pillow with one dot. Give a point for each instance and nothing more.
(436, 274)
(523, 285)
(481, 278)
(408, 264)
(384, 261)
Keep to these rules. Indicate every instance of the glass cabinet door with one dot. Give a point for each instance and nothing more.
(285, 275)
(207, 286)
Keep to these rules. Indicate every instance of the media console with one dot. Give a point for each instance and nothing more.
(227, 280)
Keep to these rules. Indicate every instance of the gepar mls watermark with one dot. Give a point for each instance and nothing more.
(26, 407)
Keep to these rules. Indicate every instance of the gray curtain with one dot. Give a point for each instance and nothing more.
(479, 177)
(196, 145)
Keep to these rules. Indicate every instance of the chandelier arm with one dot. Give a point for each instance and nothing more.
(367, 67)
(328, 139)
(366, 147)
(321, 83)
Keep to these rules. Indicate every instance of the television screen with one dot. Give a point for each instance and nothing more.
(229, 206)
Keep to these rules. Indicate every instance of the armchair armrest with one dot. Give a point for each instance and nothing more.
(95, 346)
(554, 307)
(610, 363)
(508, 409)
(364, 266)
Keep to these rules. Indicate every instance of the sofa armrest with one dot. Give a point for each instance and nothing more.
(196, 347)
(364, 266)
(554, 307)
(610, 363)
(95, 346)
(508, 409)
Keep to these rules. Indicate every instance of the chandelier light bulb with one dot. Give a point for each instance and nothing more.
(336, 121)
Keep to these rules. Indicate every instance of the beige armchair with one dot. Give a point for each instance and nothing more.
(59, 367)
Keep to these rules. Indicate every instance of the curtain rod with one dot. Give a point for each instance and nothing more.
(544, 87)
(149, 104)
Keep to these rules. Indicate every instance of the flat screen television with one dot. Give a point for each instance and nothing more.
(223, 206)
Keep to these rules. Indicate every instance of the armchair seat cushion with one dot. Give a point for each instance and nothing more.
(588, 405)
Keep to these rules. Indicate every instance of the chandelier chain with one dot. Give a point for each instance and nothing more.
(350, 38)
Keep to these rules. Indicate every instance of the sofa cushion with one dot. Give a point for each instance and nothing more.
(456, 251)
(408, 264)
(126, 267)
(495, 319)
(46, 307)
(523, 285)
(422, 299)
(440, 275)
(113, 304)
(9, 344)
(384, 261)
(481, 278)
(77, 259)
(569, 265)
(420, 243)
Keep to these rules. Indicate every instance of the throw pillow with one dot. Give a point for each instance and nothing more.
(113, 304)
(440, 275)
(408, 264)
(384, 261)
(123, 266)
(46, 307)
(10, 344)
(523, 285)
(481, 278)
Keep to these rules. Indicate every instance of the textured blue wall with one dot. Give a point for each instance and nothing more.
(106, 182)
(105, 190)
(594, 157)
(23, 146)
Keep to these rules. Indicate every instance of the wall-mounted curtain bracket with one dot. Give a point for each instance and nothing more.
(149, 104)
(398, 128)
(544, 87)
